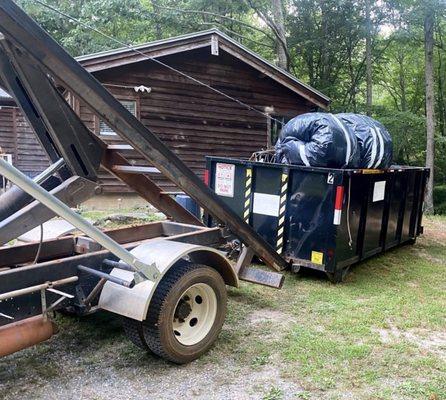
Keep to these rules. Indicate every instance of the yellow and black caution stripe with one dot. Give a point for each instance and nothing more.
(282, 211)
(248, 190)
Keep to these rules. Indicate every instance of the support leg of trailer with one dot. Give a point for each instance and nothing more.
(256, 275)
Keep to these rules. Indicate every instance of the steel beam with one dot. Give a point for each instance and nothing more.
(148, 189)
(15, 87)
(81, 149)
(24, 33)
(37, 288)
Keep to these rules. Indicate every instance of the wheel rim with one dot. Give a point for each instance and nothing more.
(195, 314)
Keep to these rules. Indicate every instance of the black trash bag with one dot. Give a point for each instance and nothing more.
(374, 141)
(317, 140)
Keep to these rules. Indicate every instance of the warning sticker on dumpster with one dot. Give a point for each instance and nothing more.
(379, 191)
(317, 257)
(224, 179)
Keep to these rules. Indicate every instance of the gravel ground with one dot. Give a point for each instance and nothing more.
(91, 359)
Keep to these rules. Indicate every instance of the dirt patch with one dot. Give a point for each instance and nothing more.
(429, 341)
(272, 325)
(83, 364)
(435, 230)
(280, 318)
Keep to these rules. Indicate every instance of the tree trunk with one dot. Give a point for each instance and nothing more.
(429, 20)
(281, 46)
(368, 57)
(402, 81)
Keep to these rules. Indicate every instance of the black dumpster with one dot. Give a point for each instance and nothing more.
(321, 218)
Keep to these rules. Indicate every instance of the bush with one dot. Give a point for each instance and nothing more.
(408, 133)
(440, 199)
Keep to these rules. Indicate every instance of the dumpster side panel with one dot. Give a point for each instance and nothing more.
(311, 233)
(227, 179)
(378, 187)
(350, 231)
(266, 202)
(396, 209)
(408, 227)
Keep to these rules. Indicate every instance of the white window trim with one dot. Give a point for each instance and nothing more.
(111, 132)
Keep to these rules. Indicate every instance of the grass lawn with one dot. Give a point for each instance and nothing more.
(379, 335)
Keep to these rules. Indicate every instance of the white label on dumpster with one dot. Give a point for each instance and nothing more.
(266, 204)
(379, 191)
(224, 179)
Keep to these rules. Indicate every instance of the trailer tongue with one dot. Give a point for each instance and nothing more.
(165, 278)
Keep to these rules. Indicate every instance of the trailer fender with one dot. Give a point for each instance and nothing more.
(134, 303)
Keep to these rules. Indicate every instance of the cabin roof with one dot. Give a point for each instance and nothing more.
(212, 38)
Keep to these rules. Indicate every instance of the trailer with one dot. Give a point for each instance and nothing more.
(321, 218)
(166, 280)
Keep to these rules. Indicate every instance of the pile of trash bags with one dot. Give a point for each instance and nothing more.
(334, 141)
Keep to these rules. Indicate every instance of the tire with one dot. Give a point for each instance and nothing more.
(179, 328)
(134, 332)
(338, 276)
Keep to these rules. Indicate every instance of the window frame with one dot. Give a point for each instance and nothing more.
(97, 120)
(271, 123)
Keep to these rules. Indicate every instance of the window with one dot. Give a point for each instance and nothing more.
(3, 181)
(276, 125)
(105, 130)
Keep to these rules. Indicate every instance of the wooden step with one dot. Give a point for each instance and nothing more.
(119, 147)
(135, 169)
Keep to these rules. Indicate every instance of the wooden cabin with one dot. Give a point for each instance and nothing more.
(193, 120)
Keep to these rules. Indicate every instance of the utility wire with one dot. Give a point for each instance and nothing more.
(132, 47)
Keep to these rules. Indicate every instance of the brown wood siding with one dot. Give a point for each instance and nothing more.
(31, 159)
(195, 121)
(191, 119)
(7, 134)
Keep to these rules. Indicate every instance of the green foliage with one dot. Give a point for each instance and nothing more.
(274, 393)
(407, 130)
(440, 199)
(122, 20)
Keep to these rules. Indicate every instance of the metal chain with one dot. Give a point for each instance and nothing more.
(132, 47)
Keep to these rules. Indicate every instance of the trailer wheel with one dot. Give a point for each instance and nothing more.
(185, 315)
(338, 276)
(134, 331)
